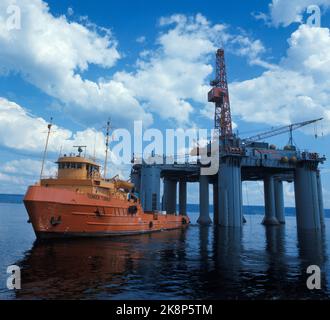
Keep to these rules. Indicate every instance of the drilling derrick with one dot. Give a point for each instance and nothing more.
(220, 96)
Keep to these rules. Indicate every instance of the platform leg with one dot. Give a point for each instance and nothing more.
(215, 204)
(230, 193)
(279, 201)
(183, 198)
(204, 217)
(307, 198)
(269, 194)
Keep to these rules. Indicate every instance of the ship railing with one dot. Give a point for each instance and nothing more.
(85, 156)
(50, 177)
(166, 159)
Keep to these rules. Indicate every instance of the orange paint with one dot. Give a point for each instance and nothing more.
(90, 207)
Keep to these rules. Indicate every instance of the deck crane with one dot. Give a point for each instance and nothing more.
(275, 132)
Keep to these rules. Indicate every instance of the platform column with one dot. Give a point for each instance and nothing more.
(230, 192)
(269, 194)
(183, 198)
(165, 194)
(150, 188)
(307, 198)
(170, 196)
(204, 216)
(215, 203)
(320, 197)
(279, 201)
(136, 179)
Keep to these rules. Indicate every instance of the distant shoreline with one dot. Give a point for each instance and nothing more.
(249, 209)
(11, 198)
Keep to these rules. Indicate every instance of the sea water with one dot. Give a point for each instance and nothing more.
(198, 263)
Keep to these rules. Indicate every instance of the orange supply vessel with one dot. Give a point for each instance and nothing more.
(80, 203)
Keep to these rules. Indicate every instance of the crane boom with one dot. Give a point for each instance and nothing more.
(281, 130)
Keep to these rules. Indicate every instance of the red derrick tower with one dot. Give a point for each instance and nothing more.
(220, 96)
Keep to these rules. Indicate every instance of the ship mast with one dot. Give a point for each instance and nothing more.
(46, 147)
(107, 149)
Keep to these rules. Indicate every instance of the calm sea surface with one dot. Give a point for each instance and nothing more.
(199, 263)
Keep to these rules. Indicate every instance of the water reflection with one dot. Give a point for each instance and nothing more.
(275, 240)
(91, 268)
(227, 250)
(198, 263)
(311, 248)
(276, 274)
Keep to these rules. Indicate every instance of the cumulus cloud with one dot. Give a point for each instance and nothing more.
(21, 130)
(16, 175)
(28, 167)
(253, 193)
(174, 79)
(296, 90)
(167, 81)
(52, 53)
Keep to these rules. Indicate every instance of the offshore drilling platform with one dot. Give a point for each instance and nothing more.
(239, 160)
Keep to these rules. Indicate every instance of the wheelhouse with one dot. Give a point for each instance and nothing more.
(77, 168)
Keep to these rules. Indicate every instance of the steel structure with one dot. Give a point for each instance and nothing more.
(220, 96)
(239, 160)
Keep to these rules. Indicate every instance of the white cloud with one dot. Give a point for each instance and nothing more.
(141, 39)
(21, 130)
(13, 184)
(17, 175)
(296, 90)
(53, 52)
(262, 17)
(173, 79)
(251, 49)
(27, 167)
(253, 193)
(284, 12)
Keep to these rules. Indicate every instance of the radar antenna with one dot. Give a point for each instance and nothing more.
(81, 150)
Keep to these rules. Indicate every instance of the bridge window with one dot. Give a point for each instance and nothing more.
(70, 165)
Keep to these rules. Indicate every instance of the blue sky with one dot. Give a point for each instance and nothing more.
(83, 61)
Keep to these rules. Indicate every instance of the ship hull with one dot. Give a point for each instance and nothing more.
(60, 213)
